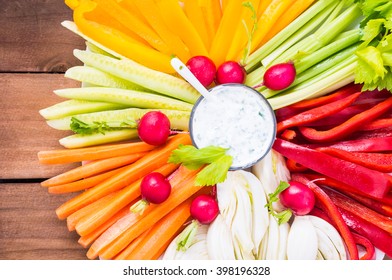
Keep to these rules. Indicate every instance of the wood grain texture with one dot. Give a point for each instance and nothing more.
(29, 227)
(32, 38)
(23, 131)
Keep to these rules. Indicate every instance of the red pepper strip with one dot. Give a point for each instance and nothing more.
(379, 144)
(353, 206)
(295, 166)
(377, 124)
(378, 237)
(359, 239)
(376, 161)
(381, 205)
(289, 111)
(339, 117)
(330, 208)
(317, 112)
(364, 180)
(378, 133)
(344, 129)
(365, 243)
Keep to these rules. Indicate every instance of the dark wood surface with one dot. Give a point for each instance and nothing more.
(35, 50)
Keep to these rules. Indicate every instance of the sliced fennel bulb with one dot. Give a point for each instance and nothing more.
(302, 242)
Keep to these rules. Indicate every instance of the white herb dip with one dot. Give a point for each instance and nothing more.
(235, 117)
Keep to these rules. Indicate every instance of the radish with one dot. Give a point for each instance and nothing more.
(279, 76)
(204, 209)
(155, 188)
(203, 68)
(298, 197)
(154, 128)
(230, 72)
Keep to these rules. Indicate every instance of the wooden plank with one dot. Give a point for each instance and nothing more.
(29, 227)
(32, 38)
(23, 132)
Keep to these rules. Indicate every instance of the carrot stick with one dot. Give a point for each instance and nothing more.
(188, 188)
(297, 8)
(175, 179)
(95, 219)
(91, 169)
(135, 171)
(63, 156)
(74, 218)
(267, 20)
(132, 246)
(84, 183)
(86, 240)
(161, 232)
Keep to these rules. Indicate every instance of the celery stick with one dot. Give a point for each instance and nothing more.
(73, 107)
(327, 82)
(136, 73)
(321, 37)
(347, 39)
(279, 38)
(255, 78)
(80, 141)
(300, 34)
(179, 120)
(91, 75)
(130, 98)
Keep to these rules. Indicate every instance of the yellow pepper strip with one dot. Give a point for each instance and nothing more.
(100, 16)
(224, 35)
(118, 41)
(151, 12)
(72, 3)
(224, 4)
(241, 37)
(178, 23)
(195, 15)
(130, 21)
(263, 6)
(212, 13)
(267, 20)
(131, 7)
(298, 7)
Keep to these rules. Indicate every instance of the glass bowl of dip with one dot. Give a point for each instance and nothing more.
(236, 117)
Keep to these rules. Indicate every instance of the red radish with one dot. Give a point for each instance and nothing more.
(154, 128)
(203, 68)
(155, 188)
(279, 76)
(204, 209)
(230, 72)
(298, 197)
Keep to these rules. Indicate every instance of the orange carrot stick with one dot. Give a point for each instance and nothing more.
(188, 188)
(86, 240)
(132, 246)
(95, 219)
(175, 179)
(297, 8)
(135, 171)
(74, 218)
(162, 231)
(84, 183)
(91, 169)
(63, 156)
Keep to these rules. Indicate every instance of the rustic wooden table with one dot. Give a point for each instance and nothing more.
(35, 50)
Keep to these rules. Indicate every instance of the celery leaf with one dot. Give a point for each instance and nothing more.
(214, 173)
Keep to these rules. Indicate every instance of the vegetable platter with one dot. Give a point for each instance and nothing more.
(321, 190)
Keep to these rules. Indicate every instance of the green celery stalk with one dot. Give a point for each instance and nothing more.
(304, 31)
(345, 40)
(279, 38)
